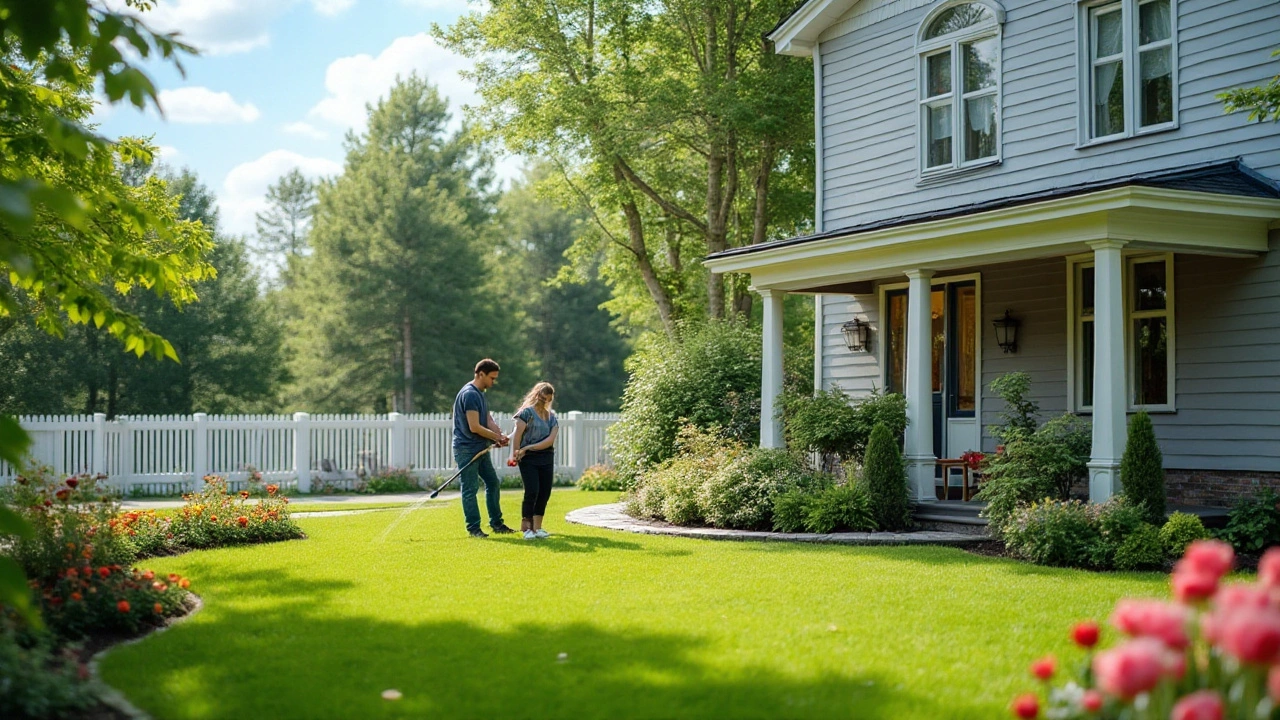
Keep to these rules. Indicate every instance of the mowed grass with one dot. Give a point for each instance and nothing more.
(653, 627)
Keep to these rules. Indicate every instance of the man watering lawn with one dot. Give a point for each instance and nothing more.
(473, 429)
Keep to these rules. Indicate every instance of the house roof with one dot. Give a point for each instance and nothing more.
(797, 33)
(1225, 177)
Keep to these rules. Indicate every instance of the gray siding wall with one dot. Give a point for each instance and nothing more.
(870, 109)
(1227, 335)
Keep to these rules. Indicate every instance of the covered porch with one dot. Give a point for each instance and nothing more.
(918, 283)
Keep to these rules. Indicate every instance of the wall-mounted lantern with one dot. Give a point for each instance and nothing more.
(1007, 332)
(857, 335)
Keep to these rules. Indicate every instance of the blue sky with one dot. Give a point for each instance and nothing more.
(278, 84)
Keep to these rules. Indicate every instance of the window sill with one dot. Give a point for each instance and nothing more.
(935, 177)
(1153, 130)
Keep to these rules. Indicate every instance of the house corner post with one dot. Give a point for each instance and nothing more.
(1109, 402)
(919, 371)
(771, 370)
(302, 450)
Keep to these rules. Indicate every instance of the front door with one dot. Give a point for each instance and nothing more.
(955, 368)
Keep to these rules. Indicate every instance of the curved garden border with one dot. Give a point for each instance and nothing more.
(108, 694)
(612, 517)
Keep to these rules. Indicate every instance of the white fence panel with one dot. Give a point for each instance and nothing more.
(168, 453)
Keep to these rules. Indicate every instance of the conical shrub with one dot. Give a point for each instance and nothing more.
(1142, 468)
(885, 479)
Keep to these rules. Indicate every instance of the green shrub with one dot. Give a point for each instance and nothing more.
(1141, 550)
(673, 490)
(1061, 449)
(832, 423)
(740, 494)
(1142, 468)
(708, 376)
(840, 507)
(1053, 532)
(600, 478)
(1117, 519)
(1019, 415)
(790, 508)
(885, 479)
(1254, 523)
(391, 480)
(1005, 492)
(1179, 531)
(36, 681)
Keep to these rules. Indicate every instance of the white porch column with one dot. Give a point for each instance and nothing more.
(919, 371)
(771, 372)
(1109, 402)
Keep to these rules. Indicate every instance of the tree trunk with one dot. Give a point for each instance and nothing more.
(635, 234)
(407, 339)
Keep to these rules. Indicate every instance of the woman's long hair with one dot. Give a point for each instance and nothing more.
(539, 398)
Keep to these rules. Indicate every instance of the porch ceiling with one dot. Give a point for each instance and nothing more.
(1144, 217)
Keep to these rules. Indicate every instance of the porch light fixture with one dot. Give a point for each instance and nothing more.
(1007, 332)
(857, 335)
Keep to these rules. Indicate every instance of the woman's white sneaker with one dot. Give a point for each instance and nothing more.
(530, 535)
(541, 533)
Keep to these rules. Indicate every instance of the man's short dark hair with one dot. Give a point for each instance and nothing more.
(486, 366)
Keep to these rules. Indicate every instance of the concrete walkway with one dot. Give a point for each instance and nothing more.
(612, 517)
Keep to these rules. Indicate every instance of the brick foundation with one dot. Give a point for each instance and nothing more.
(1216, 488)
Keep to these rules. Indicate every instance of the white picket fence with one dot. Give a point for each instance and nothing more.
(164, 453)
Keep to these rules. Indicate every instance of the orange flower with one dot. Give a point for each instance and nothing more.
(159, 609)
(272, 489)
(174, 577)
(123, 606)
(213, 518)
(184, 583)
(244, 494)
(244, 521)
(76, 596)
(149, 575)
(159, 586)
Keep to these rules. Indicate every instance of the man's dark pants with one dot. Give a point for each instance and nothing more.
(480, 470)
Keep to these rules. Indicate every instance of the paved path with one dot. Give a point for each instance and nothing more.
(611, 517)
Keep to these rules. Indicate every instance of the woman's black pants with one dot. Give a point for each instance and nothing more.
(538, 471)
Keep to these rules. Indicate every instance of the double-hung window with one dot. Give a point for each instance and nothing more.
(1130, 74)
(1148, 291)
(959, 82)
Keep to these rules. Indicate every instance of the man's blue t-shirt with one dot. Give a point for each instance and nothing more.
(469, 398)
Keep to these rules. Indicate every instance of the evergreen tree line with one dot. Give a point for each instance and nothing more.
(392, 279)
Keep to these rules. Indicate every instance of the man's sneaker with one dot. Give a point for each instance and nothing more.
(502, 530)
(479, 534)
(541, 533)
(530, 535)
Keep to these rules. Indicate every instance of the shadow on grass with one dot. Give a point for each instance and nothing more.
(562, 542)
(297, 659)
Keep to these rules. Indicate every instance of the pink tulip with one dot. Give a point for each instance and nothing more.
(1191, 586)
(1132, 668)
(1091, 700)
(1269, 569)
(1203, 705)
(1251, 634)
(1241, 597)
(1154, 619)
(1212, 557)
(1273, 683)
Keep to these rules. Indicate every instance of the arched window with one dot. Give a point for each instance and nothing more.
(959, 47)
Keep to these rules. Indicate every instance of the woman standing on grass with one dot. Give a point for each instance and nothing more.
(534, 442)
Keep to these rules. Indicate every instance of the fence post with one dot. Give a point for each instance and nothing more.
(399, 449)
(98, 461)
(577, 443)
(302, 450)
(125, 460)
(200, 450)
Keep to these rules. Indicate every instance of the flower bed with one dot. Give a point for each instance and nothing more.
(1213, 654)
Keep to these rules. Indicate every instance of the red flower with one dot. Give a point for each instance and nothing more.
(63, 494)
(1203, 705)
(1132, 668)
(1026, 706)
(1091, 700)
(123, 606)
(1044, 667)
(104, 571)
(1190, 586)
(1085, 634)
(174, 577)
(72, 482)
(1252, 635)
(159, 586)
(77, 596)
(48, 503)
(159, 609)
(149, 575)
(1212, 557)
(244, 521)
(1152, 618)
(71, 572)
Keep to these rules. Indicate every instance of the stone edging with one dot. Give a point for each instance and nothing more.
(612, 517)
(113, 697)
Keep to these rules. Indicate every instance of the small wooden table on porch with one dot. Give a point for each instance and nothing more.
(949, 464)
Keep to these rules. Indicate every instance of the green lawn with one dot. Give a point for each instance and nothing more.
(654, 627)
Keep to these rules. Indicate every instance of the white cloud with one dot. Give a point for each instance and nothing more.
(221, 27)
(166, 154)
(456, 5)
(353, 81)
(245, 187)
(200, 105)
(306, 130)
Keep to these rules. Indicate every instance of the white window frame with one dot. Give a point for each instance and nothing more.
(1075, 320)
(956, 98)
(1130, 53)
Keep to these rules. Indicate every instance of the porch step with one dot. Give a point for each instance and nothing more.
(959, 513)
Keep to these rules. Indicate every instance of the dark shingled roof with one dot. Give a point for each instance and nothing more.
(1224, 177)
